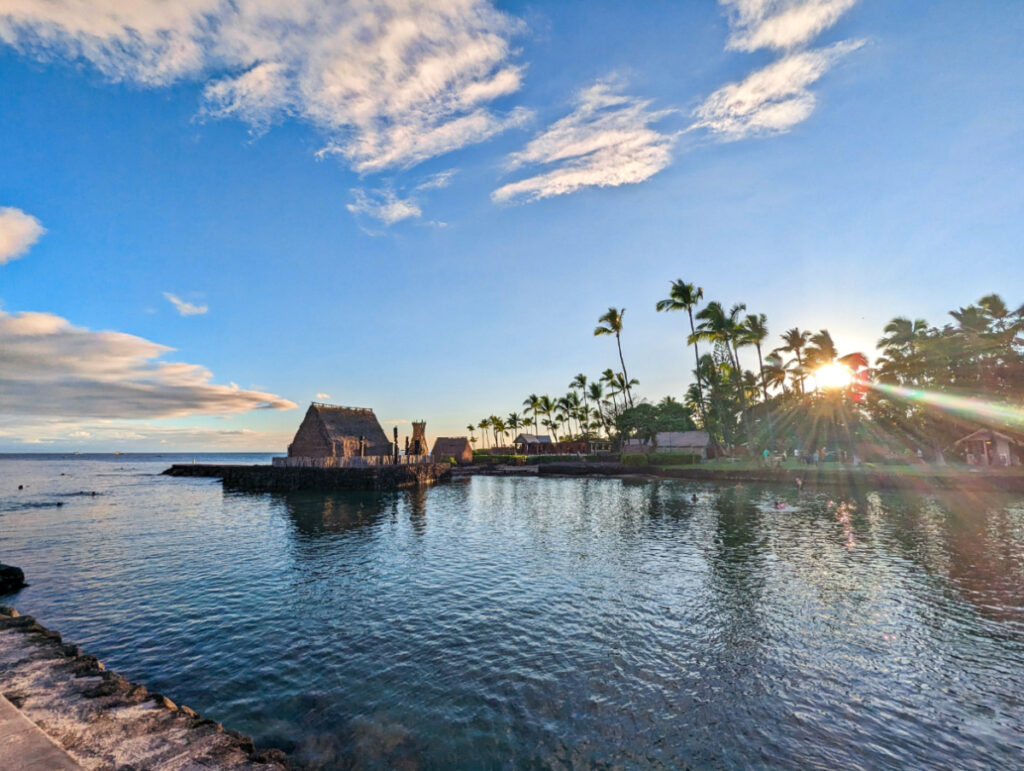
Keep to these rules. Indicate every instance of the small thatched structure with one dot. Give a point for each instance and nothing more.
(418, 443)
(457, 447)
(330, 431)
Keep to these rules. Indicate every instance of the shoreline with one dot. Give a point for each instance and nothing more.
(844, 477)
(102, 719)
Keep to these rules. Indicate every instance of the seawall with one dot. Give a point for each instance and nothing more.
(101, 719)
(283, 480)
(843, 478)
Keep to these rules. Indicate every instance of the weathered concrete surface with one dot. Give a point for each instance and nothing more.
(285, 480)
(24, 746)
(102, 720)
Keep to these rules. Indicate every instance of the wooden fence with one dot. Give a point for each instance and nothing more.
(353, 462)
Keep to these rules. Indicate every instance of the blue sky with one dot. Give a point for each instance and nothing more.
(426, 212)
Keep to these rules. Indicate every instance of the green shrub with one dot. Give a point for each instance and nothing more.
(602, 457)
(541, 459)
(673, 459)
(635, 460)
(495, 460)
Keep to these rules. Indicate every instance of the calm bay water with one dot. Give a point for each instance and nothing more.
(500, 623)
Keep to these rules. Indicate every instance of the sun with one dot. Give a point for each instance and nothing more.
(833, 376)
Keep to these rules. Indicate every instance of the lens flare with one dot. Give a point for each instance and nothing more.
(832, 376)
(978, 409)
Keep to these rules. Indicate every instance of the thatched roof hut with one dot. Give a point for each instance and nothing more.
(330, 431)
(457, 447)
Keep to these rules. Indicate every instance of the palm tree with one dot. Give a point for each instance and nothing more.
(795, 340)
(610, 323)
(608, 378)
(547, 408)
(580, 382)
(532, 404)
(483, 425)
(755, 327)
(596, 394)
(471, 428)
(684, 297)
(514, 421)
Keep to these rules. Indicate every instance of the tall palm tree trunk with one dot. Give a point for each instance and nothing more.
(625, 375)
(696, 359)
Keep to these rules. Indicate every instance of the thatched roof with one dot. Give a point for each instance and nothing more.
(331, 430)
(532, 439)
(451, 447)
(688, 439)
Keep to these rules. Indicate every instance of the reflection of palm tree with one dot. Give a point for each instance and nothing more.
(610, 323)
(683, 296)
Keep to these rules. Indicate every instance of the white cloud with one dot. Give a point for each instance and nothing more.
(606, 141)
(50, 368)
(780, 24)
(323, 397)
(383, 205)
(185, 308)
(437, 181)
(771, 100)
(107, 435)
(390, 82)
(18, 232)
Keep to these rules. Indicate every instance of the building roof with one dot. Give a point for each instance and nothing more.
(987, 434)
(532, 439)
(451, 446)
(335, 424)
(682, 439)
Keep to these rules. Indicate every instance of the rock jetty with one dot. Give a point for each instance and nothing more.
(291, 479)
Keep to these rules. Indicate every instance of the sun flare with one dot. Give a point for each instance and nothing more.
(832, 376)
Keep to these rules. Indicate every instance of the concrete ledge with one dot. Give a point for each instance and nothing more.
(24, 746)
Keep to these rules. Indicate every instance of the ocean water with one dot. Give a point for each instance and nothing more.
(541, 623)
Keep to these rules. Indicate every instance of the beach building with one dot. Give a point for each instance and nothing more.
(332, 431)
(986, 447)
(531, 444)
(457, 447)
(690, 442)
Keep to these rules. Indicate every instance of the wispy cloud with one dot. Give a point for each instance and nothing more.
(48, 367)
(605, 142)
(437, 181)
(771, 100)
(18, 232)
(390, 82)
(323, 396)
(185, 308)
(383, 205)
(780, 24)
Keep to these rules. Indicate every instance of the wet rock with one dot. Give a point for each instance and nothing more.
(11, 579)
